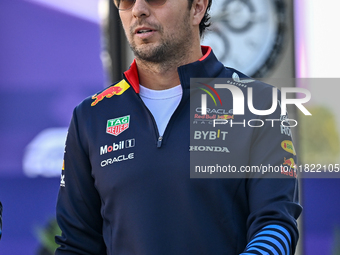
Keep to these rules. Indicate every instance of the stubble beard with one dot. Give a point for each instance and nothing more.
(171, 50)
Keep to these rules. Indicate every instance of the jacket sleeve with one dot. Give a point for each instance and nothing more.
(273, 193)
(78, 204)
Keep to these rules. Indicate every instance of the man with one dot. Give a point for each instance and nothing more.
(126, 186)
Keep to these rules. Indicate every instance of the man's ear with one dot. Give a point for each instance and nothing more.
(198, 8)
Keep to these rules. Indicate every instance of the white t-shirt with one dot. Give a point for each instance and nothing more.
(161, 103)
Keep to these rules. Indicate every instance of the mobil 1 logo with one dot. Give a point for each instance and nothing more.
(129, 143)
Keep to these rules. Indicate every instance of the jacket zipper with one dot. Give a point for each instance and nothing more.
(159, 142)
(159, 138)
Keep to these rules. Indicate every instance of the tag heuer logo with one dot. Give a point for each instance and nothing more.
(117, 126)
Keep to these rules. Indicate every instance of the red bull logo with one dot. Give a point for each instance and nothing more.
(292, 167)
(117, 89)
(225, 117)
(289, 162)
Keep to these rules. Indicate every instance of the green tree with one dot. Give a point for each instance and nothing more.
(319, 137)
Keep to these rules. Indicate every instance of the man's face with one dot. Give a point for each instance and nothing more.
(158, 33)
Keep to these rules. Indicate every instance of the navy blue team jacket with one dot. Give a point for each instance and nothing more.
(126, 190)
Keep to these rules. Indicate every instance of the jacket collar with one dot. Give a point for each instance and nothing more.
(207, 66)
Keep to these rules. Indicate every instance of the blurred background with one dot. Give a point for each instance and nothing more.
(55, 53)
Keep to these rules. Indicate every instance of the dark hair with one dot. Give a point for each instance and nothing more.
(205, 20)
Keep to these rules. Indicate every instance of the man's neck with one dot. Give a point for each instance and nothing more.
(160, 76)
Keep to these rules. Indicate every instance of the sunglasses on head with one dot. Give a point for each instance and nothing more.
(123, 5)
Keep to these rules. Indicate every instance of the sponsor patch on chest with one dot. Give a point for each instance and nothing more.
(118, 125)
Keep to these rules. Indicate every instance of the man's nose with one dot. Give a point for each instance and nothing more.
(140, 8)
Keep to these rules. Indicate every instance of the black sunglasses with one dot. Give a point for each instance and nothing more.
(124, 5)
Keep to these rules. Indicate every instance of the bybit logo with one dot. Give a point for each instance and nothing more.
(210, 135)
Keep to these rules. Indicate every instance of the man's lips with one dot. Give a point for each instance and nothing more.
(144, 32)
